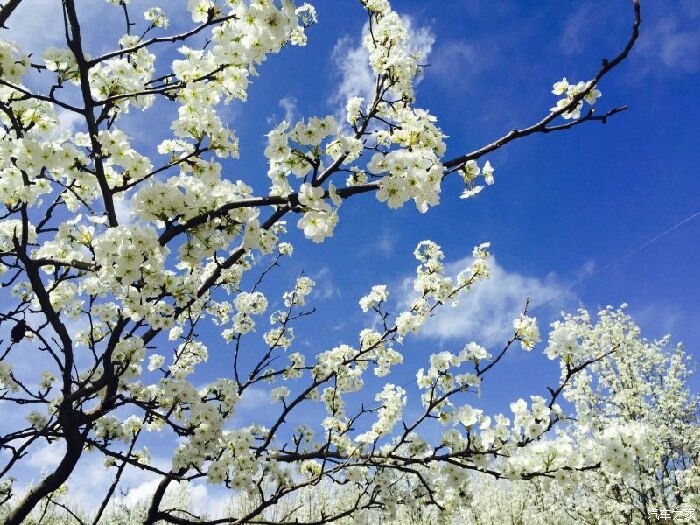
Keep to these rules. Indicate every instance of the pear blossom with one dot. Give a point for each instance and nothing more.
(122, 252)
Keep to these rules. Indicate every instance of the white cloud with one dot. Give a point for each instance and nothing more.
(47, 457)
(325, 288)
(658, 319)
(90, 480)
(69, 121)
(673, 40)
(352, 62)
(455, 53)
(681, 50)
(488, 309)
(200, 499)
(289, 105)
(421, 39)
(124, 210)
(577, 30)
(587, 270)
(254, 399)
(89, 483)
(385, 244)
(29, 22)
(37, 24)
(140, 493)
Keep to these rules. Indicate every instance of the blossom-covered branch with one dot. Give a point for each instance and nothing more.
(120, 256)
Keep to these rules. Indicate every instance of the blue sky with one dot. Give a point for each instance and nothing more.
(564, 206)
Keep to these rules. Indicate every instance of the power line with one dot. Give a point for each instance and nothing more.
(621, 258)
(605, 268)
(596, 273)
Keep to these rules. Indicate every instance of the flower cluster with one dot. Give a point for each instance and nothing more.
(121, 79)
(319, 218)
(434, 287)
(299, 152)
(393, 401)
(247, 34)
(106, 247)
(188, 355)
(581, 92)
(526, 331)
(302, 289)
(376, 297)
(6, 381)
(38, 158)
(130, 265)
(470, 173)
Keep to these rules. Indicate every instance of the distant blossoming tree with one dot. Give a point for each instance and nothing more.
(110, 314)
(643, 383)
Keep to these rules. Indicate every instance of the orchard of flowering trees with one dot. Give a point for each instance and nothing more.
(125, 334)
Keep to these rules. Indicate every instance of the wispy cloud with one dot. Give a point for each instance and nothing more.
(385, 244)
(29, 22)
(661, 318)
(124, 210)
(289, 106)
(69, 122)
(680, 50)
(352, 62)
(454, 53)
(325, 288)
(577, 30)
(36, 25)
(488, 309)
(254, 399)
(421, 39)
(382, 243)
(672, 41)
(89, 483)
(670, 38)
(48, 456)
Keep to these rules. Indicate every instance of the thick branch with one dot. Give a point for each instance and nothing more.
(7, 10)
(76, 46)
